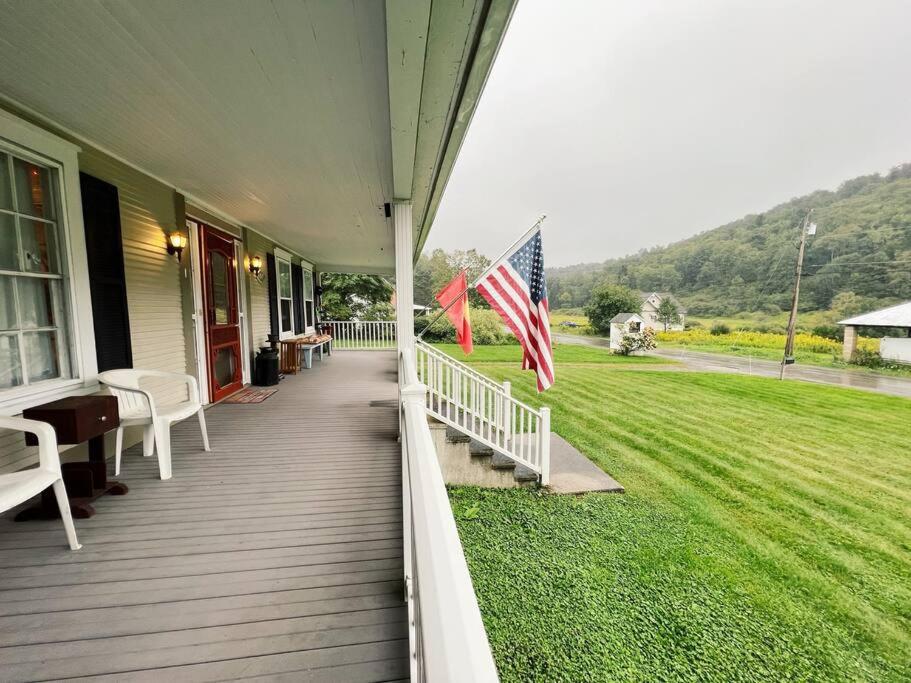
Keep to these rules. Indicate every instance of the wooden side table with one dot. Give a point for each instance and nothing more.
(77, 419)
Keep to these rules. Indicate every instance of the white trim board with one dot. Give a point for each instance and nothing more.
(30, 141)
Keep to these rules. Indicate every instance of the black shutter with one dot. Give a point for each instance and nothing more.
(107, 281)
(297, 288)
(273, 296)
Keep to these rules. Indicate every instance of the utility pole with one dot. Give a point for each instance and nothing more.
(788, 357)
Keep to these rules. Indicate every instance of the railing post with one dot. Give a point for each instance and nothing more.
(544, 446)
(507, 413)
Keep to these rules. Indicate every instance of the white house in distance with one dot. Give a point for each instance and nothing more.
(622, 324)
(649, 311)
(896, 349)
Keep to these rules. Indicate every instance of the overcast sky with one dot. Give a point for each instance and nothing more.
(633, 123)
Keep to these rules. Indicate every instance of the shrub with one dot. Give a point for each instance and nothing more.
(720, 328)
(633, 342)
(486, 329)
(606, 302)
(830, 332)
(867, 358)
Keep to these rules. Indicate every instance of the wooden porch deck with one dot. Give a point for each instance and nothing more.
(277, 556)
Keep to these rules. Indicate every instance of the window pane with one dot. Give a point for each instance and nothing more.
(39, 246)
(6, 183)
(9, 247)
(284, 279)
(10, 365)
(286, 315)
(219, 266)
(7, 304)
(309, 310)
(41, 355)
(33, 189)
(36, 302)
(308, 285)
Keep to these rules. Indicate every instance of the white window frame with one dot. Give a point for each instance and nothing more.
(283, 256)
(309, 321)
(30, 142)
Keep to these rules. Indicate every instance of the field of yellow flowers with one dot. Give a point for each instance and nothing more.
(734, 341)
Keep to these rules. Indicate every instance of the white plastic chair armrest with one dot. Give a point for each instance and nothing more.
(134, 390)
(48, 455)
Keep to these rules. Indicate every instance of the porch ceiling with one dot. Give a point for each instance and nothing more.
(273, 114)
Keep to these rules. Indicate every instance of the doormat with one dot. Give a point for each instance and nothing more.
(250, 395)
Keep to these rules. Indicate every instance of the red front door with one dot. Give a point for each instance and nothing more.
(222, 320)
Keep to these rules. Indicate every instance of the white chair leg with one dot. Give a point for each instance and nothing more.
(118, 447)
(163, 443)
(64, 504)
(202, 428)
(148, 440)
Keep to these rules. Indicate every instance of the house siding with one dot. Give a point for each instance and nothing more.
(159, 289)
(148, 211)
(256, 244)
(258, 289)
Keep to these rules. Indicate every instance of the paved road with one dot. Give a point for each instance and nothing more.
(717, 362)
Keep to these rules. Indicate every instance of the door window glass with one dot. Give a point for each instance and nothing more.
(220, 294)
(225, 366)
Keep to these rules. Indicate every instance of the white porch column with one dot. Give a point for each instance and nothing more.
(404, 275)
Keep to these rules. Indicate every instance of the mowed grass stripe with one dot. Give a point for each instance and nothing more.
(699, 449)
(803, 468)
(841, 567)
(809, 483)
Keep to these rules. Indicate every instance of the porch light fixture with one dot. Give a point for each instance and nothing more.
(177, 242)
(256, 265)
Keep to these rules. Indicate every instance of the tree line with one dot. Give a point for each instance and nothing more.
(862, 248)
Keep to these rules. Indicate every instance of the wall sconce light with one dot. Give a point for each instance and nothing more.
(177, 242)
(256, 265)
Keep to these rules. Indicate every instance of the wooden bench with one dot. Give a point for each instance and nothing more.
(306, 350)
(294, 349)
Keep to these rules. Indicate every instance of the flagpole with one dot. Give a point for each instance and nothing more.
(483, 275)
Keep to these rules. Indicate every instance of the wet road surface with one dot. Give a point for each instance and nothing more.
(717, 362)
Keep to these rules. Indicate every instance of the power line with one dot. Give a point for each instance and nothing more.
(880, 264)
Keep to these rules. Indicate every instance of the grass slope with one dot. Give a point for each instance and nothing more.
(764, 534)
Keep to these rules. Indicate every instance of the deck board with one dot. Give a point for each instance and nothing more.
(277, 556)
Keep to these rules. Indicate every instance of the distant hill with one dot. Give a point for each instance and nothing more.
(863, 245)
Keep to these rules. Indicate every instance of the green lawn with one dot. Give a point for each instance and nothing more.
(765, 533)
(563, 353)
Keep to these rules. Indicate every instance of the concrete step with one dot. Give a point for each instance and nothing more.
(524, 474)
(478, 449)
(454, 435)
(502, 462)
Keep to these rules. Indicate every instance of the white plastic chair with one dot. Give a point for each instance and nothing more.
(18, 487)
(137, 407)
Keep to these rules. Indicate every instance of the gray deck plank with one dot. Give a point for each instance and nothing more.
(278, 555)
(319, 665)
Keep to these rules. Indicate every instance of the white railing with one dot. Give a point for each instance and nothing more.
(448, 642)
(463, 398)
(365, 335)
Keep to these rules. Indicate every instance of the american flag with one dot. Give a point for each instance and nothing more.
(516, 289)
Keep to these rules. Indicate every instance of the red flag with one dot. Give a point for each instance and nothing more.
(457, 290)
